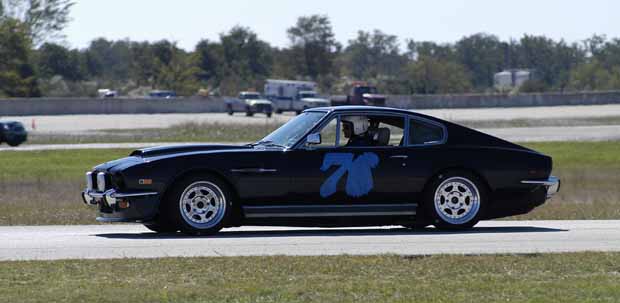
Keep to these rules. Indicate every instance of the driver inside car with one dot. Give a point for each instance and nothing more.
(355, 128)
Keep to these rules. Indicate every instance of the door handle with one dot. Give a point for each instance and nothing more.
(399, 157)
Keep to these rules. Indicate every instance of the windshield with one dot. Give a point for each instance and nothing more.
(293, 130)
(307, 95)
(250, 96)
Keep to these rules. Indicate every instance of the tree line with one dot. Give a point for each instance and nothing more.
(31, 64)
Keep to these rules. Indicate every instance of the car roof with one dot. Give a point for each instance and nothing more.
(364, 108)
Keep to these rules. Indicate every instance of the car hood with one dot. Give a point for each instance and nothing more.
(183, 148)
(146, 154)
(257, 101)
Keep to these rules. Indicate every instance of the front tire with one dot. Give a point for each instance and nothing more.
(455, 201)
(199, 205)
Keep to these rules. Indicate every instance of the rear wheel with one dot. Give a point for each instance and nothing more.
(455, 200)
(268, 115)
(230, 111)
(199, 205)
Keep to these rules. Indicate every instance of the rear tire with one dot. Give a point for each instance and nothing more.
(13, 143)
(268, 115)
(278, 111)
(199, 205)
(230, 110)
(455, 200)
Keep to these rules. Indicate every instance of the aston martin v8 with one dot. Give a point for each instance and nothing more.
(328, 167)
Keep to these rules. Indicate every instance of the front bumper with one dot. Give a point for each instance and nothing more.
(261, 108)
(552, 185)
(117, 206)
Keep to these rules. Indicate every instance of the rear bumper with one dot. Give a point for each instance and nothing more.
(116, 206)
(552, 185)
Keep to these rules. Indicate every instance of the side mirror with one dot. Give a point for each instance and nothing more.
(313, 139)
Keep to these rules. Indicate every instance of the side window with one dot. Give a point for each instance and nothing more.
(424, 133)
(372, 130)
(328, 134)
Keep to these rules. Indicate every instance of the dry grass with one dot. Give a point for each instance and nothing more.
(44, 187)
(576, 277)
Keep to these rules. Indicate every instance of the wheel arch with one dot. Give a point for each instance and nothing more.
(471, 170)
(237, 214)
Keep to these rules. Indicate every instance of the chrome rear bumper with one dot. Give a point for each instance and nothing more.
(552, 184)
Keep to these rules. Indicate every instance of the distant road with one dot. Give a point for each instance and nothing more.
(135, 241)
(81, 123)
(516, 134)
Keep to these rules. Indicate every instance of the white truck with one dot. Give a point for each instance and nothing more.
(290, 95)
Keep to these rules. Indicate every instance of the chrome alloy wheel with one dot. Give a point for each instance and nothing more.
(202, 205)
(457, 200)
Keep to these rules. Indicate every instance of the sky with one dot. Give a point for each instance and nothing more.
(188, 21)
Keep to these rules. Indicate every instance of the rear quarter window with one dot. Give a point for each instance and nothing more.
(421, 133)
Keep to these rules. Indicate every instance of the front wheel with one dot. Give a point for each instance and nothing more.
(455, 200)
(199, 205)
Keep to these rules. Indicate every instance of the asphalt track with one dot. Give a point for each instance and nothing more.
(135, 241)
(81, 123)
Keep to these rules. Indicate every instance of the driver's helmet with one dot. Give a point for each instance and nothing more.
(359, 124)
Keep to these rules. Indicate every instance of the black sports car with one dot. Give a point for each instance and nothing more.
(332, 166)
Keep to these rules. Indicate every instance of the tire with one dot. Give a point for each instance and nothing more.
(230, 110)
(13, 143)
(268, 115)
(298, 112)
(278, 111)
(455, 200)
(199, 205)
(248, 112)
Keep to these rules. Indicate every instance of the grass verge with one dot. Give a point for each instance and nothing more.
(569, 277)
(42, 187)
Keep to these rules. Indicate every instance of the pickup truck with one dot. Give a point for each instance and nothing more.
(250, 103)
(361, 94)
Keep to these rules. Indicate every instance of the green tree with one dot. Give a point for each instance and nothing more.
(433, 76)
(206, 58)
(244, 61)
(54, 59)
(594, 76)
(45, 19)
(17, 75)
(315, 46)
(111, 60)
(483, 56)
(373, 54)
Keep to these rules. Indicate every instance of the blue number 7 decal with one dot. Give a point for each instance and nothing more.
(359, 173)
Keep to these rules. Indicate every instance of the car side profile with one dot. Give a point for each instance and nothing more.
(331, 166)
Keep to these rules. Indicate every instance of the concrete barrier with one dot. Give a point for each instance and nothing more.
(502, 100)
(82, 106)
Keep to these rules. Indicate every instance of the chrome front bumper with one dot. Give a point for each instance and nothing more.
(552, 184)
(110, 197)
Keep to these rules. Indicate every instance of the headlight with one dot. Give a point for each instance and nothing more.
(89, 181)
(5, 126)
(110, 199)
(101, 181)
